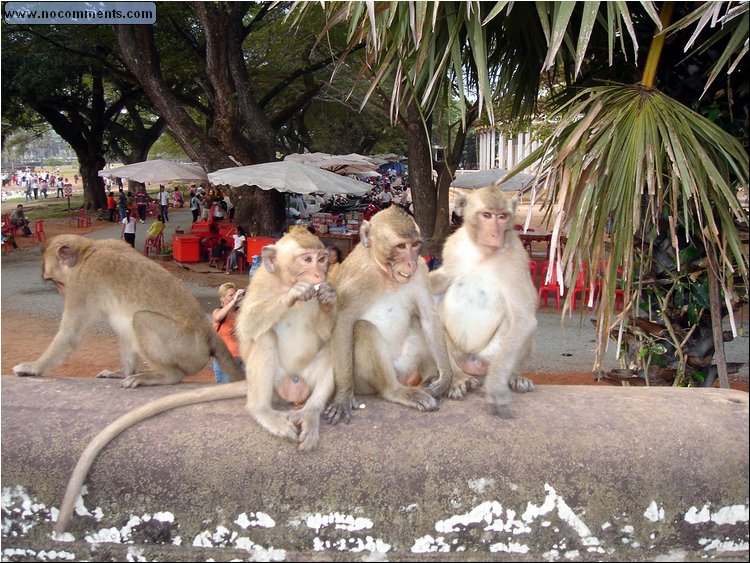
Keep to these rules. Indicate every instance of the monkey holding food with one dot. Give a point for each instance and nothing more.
(387, 332)
(155, 317)
(283, 326)
(488, 301)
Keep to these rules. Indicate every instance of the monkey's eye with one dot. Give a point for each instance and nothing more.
(504, 216)
(486, 215)
(307, 258)
(401, 246)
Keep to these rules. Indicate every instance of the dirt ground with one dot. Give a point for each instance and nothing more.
(30, 335)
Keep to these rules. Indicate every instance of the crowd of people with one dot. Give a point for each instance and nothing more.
(38, 184)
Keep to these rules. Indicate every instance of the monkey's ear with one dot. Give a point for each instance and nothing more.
(269, 258)
(513, 204)
(460, 204)
(67, 256)
(364, 234)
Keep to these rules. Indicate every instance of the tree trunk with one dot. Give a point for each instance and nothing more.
(423, 191)
(94, 197)
(452, 155)
(137, 47)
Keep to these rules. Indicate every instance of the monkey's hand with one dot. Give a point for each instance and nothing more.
(308, 423)
(27, 369)
(326, 294)
(340, 409)
(301, 291)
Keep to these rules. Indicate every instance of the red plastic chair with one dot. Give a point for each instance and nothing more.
(10, 226)
(619, 292)
(241, 263)
(39, 230)
(153, 244)
(551, 287)
(83, 219)
(532, 270)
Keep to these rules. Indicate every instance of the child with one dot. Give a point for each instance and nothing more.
(218, 254)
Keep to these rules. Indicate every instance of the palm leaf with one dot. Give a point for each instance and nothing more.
(629, 157)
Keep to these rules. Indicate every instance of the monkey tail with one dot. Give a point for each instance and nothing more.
(97, 444)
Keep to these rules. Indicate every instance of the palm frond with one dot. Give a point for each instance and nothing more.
(633, 163)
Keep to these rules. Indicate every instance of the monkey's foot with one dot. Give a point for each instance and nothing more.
(462, 384)
(340, 410)
(414, 398)
(521, 384)
(107, 374)
(26, 369)
(499, 408)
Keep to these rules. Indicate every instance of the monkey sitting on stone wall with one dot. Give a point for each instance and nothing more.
(487, 299)
(387, 335)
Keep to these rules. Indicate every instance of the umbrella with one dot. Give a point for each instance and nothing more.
(340, 164)
(289, 176)
(473, 179)
(157, 171)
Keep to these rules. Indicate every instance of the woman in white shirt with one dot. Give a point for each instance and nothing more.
(128, 228)
(238, 248)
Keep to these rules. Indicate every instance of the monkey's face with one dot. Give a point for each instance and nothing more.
(398, 256)
(490, 225)
(309, 266)
(395, 240)
(489, 214)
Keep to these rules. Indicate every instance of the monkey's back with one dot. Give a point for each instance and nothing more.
(122, 275)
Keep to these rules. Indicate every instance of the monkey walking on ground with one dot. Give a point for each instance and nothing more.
(283, 326)
(387, 332)
(488, 301)
(156, 318)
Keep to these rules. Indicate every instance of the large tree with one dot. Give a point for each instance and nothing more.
(75, 83)
(252, 78)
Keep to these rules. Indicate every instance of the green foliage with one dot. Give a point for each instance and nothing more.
(654, 170)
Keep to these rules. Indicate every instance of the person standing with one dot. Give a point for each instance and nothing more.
(128, 228)
(112, 207)
(223, 318)
(122, 204)
(195, 206)
(141, 203)
(163, 198)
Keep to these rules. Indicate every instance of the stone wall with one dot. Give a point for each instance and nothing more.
(580, 474)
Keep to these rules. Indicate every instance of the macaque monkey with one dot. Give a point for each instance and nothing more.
(387, 332)
(156, 318)
(487, 299)
(283, 326)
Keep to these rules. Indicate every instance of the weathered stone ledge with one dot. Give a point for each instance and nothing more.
(580, 474)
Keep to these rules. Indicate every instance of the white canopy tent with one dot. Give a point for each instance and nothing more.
(474, 179)
(158, 172)
(289, 176)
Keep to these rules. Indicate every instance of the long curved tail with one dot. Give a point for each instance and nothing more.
(97, 444)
